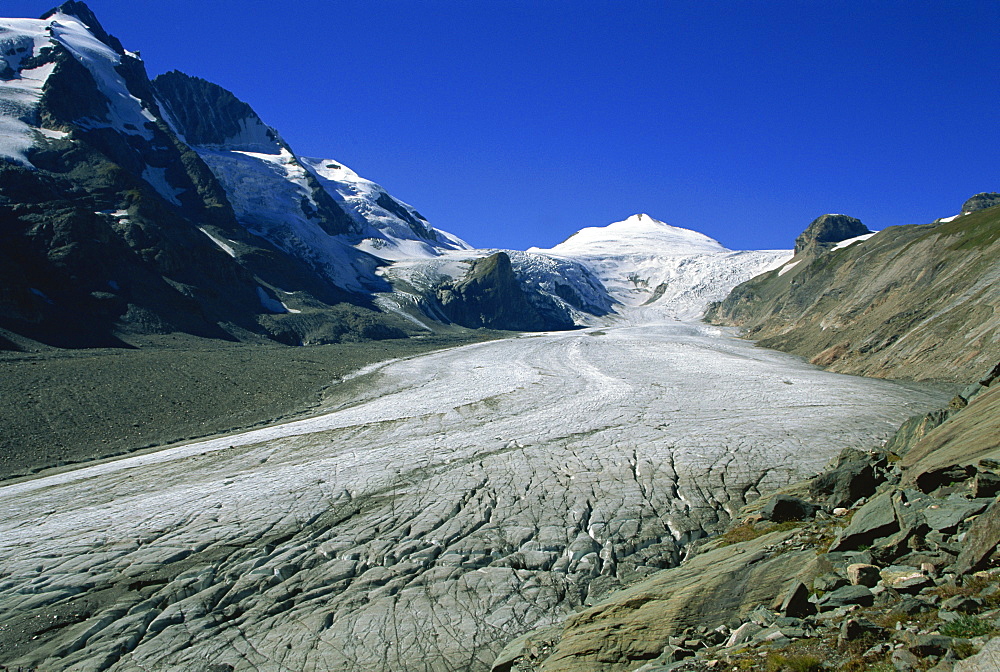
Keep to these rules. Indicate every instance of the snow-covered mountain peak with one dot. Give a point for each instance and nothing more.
(29, 52)
(657, 271)
(639, 234)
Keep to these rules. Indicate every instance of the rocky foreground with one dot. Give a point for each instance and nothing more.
(888, 560)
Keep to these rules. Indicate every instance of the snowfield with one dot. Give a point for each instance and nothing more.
(444, 505)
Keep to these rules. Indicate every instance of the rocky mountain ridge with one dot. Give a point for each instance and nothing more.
(915, 301)
(123, 211)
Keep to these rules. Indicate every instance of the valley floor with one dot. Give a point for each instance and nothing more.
(441, 506)
(61, 408)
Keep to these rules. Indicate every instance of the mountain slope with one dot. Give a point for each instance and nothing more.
(916, 301)
(113, 224)
(316, 210)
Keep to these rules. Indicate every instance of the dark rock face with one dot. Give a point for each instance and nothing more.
(205, 113)
(783, 508)
(796, 602)
(490, 296)
(415, 220)
(982, 540)
(828, 230)
(981, 202)
(853, 478)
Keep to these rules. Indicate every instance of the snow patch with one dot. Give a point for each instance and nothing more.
(635, 235)
(52, 134)
(390, 304)
(850, 241)
(126, 113)
(157, 178)
(656, 271)
(383, 232)
(267, 192)
(228, 249)
(270, 304)
(19, 100)
(789, 266)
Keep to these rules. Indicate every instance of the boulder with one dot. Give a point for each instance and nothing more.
(743, 634)
(796, 602)
(947, 514)
(783, 508)
(927, 645)
(829, 582)
(904, 661)
(987, 660)
(854, 477)
(873, 520)
(980, 541)
(853, 629)
(985, 484)
(905, 579)
(962, 604)
(860, 574)
(848, 595)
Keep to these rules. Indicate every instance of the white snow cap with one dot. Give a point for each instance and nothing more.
(636, 234)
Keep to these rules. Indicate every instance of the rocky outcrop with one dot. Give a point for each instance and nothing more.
(907, 578)
(981, 202)
(828, 230)
(914, 302)
(490, 296)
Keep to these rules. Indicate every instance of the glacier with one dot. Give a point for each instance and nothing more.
(437, 508)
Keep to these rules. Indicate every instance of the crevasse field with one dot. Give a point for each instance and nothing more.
(450, 502)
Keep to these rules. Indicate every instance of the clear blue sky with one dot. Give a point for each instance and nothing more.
(515, 123)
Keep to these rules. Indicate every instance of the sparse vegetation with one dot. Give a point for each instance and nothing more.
(777, 662)
(967, 626)
(748, 531)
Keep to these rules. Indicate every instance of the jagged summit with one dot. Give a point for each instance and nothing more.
(981, 202)
(208, 115)
(79, 10)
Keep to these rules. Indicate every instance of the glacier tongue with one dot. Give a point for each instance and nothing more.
(442, 506)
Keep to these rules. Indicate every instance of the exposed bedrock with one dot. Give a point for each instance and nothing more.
(453, 502)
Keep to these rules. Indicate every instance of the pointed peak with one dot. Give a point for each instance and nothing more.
(80, 10)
